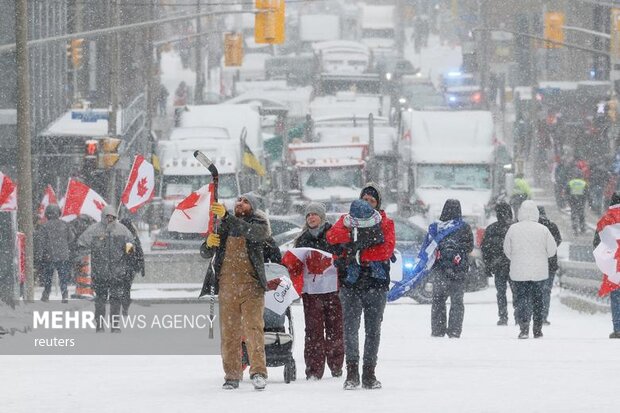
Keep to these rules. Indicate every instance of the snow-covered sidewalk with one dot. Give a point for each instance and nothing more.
(572, 369)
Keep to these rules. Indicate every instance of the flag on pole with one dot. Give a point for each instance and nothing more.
(49, 197)
(192, 215)
(81, 199)
(251, 161)
(8, 193)
(140, 186)
(607, 253)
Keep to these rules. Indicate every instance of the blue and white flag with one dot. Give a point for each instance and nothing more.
(437, 231)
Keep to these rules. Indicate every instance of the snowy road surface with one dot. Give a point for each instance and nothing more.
(574, 368)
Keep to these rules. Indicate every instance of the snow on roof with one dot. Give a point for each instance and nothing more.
(296, 100)
(68, 125)
(328, 155)
(456, 136)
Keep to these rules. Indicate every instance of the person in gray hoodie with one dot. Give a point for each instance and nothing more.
(529, 245)
(52, 241)
(108, 242)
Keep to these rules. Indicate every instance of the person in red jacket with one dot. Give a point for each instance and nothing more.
(365, 291)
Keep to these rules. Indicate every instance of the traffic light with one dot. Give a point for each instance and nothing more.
(110, 156)
(233, 49)
(554, 31)
(90, 154)
(269, 22)
(75, 52)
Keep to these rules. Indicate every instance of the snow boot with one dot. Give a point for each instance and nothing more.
(525, 332)
(369, 380)
(337, 373)
(353, 377)
(615, 334)
(230, 385)
(45, 297)
(259, 381)
(502, 322)
(538, 334)
(65, 297)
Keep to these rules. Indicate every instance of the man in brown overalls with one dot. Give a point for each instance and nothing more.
(238, 245)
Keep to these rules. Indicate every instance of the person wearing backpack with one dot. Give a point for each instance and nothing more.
(449, 270)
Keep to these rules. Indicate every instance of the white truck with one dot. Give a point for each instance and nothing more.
(378, 28)
(451, 155)
(318, 28)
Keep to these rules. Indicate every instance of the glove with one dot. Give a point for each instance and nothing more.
(219, 210)
(273, 284)
(213, 240)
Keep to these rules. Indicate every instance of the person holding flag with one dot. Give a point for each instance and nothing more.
(237, 248)
(607, 253)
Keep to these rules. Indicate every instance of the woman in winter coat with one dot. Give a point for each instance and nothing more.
(322, 308)
(368, 292)
(450, 269)
(529, 245)
(134, 263)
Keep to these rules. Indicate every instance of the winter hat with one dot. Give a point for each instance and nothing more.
(108, 210)
(316, 208)
(615, 199)
(52, 212)
(372, 189)
(361, 215)
(451, 210)
(503, 211)
(541, 211)
(252, 200)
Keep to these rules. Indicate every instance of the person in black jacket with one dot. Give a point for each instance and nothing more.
(324, 340)
(52, 242)
(134, 263)
(495, 262)
(553, 261)
(450, 269)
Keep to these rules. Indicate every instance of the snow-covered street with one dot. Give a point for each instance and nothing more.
(571, 369)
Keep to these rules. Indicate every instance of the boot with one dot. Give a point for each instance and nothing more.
(369, 380)
(353, 377)
(525, 331)
(45, 297)
(65, 297)
(615, 334)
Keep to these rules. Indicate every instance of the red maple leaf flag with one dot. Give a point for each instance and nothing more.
(311, 270)
(140, 187)
(49, 197)
(192, 215)
(607, 253)
(8, 194)
(81, 199)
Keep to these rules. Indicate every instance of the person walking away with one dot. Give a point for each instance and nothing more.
(109, 243)
(450, 270)
(495, 261)
(598, 179)
(324, 340)
(237, 250)
(529, 245)
(134, 264)
(611, 217)
(162, 100)
(553, 261)
(52, 241)
(577, 190)
(365, 291)
(560, 174)
(520, 193)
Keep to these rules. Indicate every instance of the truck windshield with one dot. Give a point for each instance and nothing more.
(331, 177)
(453, 176)
(180, 186)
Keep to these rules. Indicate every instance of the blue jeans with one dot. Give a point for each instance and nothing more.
(356, 301)
(64, 275)
(614, 299)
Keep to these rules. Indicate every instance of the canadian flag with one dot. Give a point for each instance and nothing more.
(192, 215)
(607, 253)
(81, 199)
(49, 197)
(312, 271)
(140, 186)
(8, 193)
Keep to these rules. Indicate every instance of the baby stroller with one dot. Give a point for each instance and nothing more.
(279, 339)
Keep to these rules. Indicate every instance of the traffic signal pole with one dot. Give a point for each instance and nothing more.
(114, 81)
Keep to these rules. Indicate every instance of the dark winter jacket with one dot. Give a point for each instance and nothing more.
(106, 243)
(307, 240)
(255, 230)
(134, 261)
(271, 251)
(463, 237)
(493, 242)
(553, 261)
(53, 239)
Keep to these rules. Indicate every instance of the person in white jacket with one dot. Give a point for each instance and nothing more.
(528, 245)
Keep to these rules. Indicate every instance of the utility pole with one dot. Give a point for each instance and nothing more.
(79, 9)
(24, 164)
(114, 45)
(198, 93)
(149, 67)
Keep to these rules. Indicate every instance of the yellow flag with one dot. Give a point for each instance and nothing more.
(252, 161)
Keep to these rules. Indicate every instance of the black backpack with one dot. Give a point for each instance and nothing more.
(450, 257)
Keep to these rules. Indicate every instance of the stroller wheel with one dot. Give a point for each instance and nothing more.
(290, 372)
